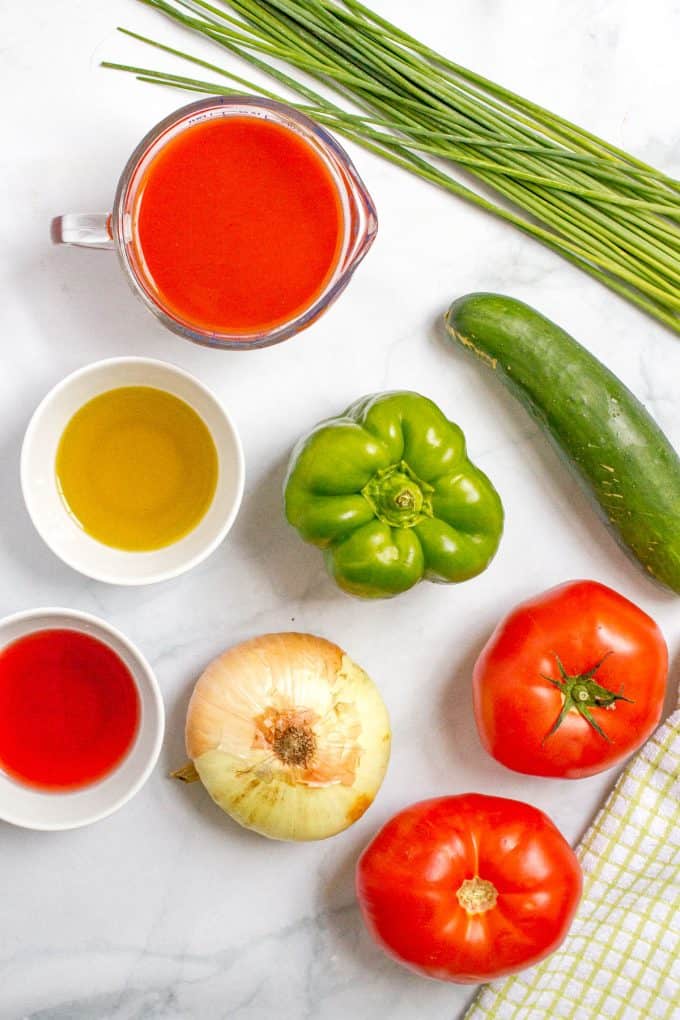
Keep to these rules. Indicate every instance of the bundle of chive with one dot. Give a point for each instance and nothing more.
(600, 208)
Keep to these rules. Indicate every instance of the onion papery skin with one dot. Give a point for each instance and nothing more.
(289, 736)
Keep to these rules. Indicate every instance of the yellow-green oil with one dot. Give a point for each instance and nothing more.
(137, 468)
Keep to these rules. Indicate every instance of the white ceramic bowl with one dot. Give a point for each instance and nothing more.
(35, 809)
(56, 525)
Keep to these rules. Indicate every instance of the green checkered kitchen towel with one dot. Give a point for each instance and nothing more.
(621, 959)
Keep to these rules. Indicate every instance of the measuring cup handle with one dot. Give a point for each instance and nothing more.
(86, 230)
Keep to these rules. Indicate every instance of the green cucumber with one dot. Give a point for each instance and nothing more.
(611, 441)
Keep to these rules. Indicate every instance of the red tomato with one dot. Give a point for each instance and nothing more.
(570, 682)
(469, 888)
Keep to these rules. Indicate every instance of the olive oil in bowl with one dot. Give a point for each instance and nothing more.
(137, 468)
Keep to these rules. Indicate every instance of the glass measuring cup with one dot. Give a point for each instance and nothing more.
(116, 230)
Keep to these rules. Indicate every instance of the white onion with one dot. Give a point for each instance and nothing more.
(289, 736)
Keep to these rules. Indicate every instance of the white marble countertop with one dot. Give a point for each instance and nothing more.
(167, 909)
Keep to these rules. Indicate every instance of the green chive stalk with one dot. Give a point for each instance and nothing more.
(602, 209)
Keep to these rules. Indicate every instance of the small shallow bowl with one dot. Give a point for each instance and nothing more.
(57, 526)
(32, 808)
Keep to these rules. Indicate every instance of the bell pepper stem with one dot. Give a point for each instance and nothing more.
(398, 497)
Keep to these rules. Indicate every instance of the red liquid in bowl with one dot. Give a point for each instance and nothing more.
(69, 709)
(238, 225)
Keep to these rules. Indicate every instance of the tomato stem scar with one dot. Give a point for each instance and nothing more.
(477, 895)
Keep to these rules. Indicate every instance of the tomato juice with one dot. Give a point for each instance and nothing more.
(237, 225)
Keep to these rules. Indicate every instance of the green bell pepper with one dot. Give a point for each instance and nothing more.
(387, 491)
